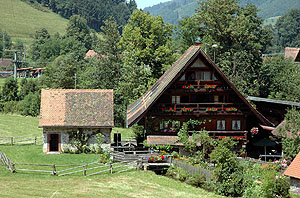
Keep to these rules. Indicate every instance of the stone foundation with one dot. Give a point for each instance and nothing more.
(64, 137)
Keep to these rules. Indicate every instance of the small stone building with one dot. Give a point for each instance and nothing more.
(64, 111)
(293, 171)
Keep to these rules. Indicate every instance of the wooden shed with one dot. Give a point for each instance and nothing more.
(66, 110)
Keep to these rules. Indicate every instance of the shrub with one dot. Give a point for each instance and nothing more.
(228, 172)
(11, 107)
(30, 106)
(282, 186)
(197, 180)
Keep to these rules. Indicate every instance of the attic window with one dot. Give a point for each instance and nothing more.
(182, 78)
(198, 64)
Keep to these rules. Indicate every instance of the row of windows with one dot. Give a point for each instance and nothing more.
(197, 98)
(221, 124)
(198, 75)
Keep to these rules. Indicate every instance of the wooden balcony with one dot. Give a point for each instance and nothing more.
(168, 138)
(199, 86)
(199, 108)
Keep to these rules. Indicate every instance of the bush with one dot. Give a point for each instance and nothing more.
(228, 172)
(10, 107)
(30, 106)
(282, 186)
(197, 180)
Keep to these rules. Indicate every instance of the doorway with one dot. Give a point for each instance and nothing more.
(53, 142)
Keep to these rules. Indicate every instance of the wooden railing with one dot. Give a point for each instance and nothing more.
(20, 140)
(198, 107)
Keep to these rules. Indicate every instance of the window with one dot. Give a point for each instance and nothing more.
(216, 98)
(198, 63)
(182, 78)
(190, 75)
(220, 124)
(163, 124)
(206, 76)
(203, 75)
(214, 77)
(175, 99)
(236, 125)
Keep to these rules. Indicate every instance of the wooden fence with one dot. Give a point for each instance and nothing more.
(132, 155)
(21, 140)
(88, 169)
(6, 162)
(193, 170)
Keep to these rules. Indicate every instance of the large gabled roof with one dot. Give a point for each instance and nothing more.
(86, 108)
(136, 110)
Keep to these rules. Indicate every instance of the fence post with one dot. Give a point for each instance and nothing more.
(13, 170)
(35, 140)
(84, 170)
(54, 169)
(12, 140)
(111, 168)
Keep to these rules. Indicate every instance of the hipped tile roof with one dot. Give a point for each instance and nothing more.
(136, 110)
(77, 108)
(293, 53)
(294, 168)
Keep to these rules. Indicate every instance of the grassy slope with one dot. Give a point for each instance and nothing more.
(16, 125)
(21, 20)
(130, 184)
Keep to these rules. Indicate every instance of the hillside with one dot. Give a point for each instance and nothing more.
(21, 20)
(175, 10)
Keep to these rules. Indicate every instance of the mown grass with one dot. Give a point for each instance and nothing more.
(128, 184)
(20, 20)
(16, 125)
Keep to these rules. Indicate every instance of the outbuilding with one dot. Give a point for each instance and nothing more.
(64, 111)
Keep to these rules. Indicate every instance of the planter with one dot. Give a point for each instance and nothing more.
(211, 109)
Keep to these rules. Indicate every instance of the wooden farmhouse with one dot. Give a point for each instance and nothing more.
(66, 110)
(194, 88)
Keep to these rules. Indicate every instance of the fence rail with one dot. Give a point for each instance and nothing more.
(20, 140)
(6, 162)
(193, 170)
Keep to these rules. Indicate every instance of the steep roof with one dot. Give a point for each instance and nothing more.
(294, 167)
(288, 134)
(89, 108)
(293, 53)
(283, 102)
(137, 109)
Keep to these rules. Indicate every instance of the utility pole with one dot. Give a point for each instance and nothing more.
(15, 65)
(3, 47)
(75, 80)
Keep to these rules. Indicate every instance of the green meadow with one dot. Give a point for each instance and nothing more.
(20, 20)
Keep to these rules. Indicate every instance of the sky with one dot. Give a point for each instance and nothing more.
(141, 4)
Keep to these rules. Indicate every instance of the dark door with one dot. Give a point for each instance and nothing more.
(53, 142)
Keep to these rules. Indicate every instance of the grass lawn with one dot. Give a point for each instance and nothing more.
(127, 184)
(20, 20)
(16, 125)
(2, 81)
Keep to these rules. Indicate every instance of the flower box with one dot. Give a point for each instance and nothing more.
(231, 109)
(211, 109)
(184, 109)
(168, 110)
(206, 86)
(156, 158)
(188, 87)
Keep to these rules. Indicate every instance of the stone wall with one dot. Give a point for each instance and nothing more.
(64, 137)
(295, 182)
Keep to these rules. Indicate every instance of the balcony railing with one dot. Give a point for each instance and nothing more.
(200, 85)
(199, 108)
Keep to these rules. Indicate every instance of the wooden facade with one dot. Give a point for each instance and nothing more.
(194, 88)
